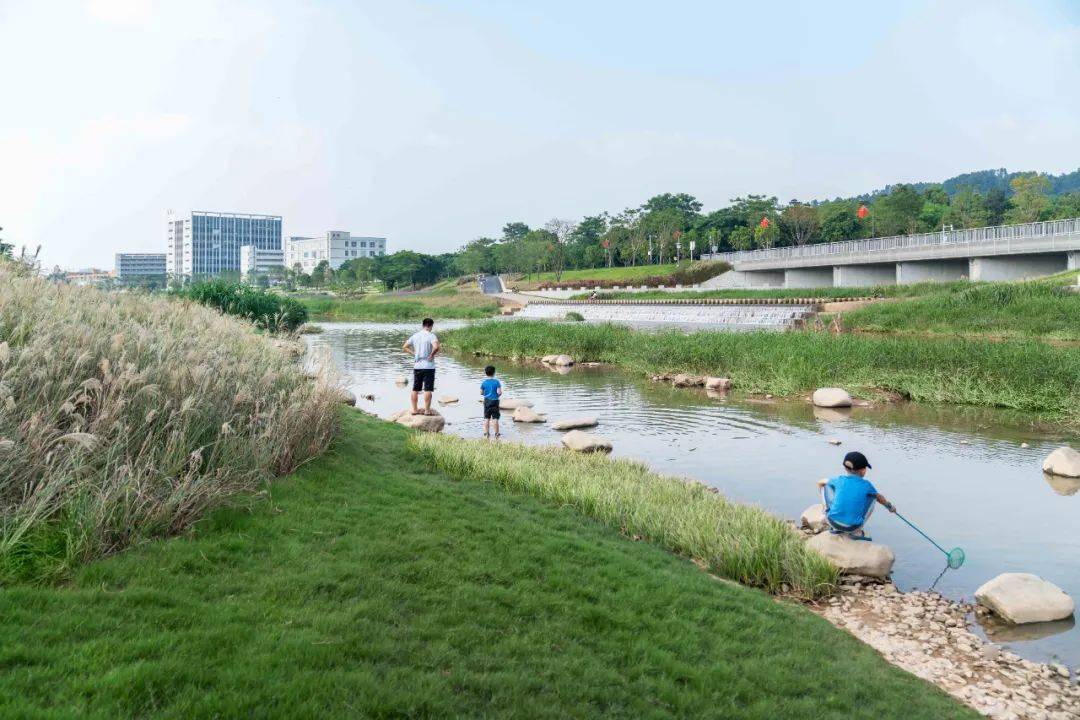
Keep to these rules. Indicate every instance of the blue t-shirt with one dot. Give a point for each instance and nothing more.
(490, 388)
(850, 498)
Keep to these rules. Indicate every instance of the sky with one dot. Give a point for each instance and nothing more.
(433, 123)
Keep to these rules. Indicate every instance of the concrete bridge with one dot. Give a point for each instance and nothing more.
(1003, 252)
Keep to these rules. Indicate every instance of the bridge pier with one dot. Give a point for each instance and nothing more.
(764, 278)
(864, 275)
(812, 277)
(931, 271)
(1017, 267)
(1072, 260)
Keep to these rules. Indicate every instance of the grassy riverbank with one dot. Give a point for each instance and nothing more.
(1041, 309)
(825, 293)
(444, 301)
(382, 588)
(126, 416)
(738, 542)
(1028, 376)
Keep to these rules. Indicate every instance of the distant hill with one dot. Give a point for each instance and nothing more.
(983, 181)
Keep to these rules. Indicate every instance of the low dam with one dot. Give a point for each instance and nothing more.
(720, 314)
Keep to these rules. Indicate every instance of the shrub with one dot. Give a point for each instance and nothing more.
(575, 316)
(691, 274)
(125, 416)
(267, 310)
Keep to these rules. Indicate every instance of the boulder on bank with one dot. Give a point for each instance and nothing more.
(684, 380)
(563, 360)
(854, 557)
(447, 400)
(574, 423)
(813, 518)
(1025, 598)
(548, 359)
(717, 383)
(427, 423)
(527, 415)
(579, 441)
(1064, 462)
(832, 398)
(346, 397)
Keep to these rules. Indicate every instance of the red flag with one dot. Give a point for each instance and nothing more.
(863, 212)
(764, 222)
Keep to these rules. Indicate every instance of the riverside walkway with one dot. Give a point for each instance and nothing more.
(1001, 252)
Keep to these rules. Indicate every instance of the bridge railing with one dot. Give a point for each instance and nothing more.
(988, 237)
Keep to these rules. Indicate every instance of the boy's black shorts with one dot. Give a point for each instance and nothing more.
(491, 410)
(423, 380)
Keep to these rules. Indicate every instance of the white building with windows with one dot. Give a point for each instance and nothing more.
(257, 261)
(204, 243)
(136, 267)
(336, 247)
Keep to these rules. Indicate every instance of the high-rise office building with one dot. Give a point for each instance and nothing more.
(336, 247)
(134, 267)
(208, 243)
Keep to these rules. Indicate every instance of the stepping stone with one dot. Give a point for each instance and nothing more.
(579, 441)
(575, 423)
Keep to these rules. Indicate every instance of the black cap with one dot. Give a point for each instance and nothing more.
(856, 461)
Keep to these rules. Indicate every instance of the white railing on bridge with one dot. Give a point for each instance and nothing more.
(976, 238)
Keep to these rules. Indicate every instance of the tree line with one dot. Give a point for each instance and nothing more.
(671, 226)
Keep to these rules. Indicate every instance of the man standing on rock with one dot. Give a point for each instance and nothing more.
(423, 346)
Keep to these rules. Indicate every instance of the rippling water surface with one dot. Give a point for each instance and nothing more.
(959, 473)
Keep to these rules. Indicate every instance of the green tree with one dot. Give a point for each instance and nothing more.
(741, 238)
(514, 231)
(5, 248)
(1029, 201)
(321, 274)
(967, 209)
(898, 212)
(765, 236)
(799, 223)
(839, 222)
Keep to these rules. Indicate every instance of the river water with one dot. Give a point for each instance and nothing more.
(959, 473)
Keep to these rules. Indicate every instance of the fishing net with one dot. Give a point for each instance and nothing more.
(956, 558)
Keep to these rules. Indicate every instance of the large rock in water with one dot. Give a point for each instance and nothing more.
(512, 404)
(813, 518)
(564, 360)
(586, 442)
(854, 557)
(427, 423)
(447, 400)
(832, 398)
(528, 415)
(574, 423)
(549, 359)
(1064, 461)
(717, 383)
(1025, 598)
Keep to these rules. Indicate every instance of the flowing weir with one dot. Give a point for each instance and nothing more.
(718, 314)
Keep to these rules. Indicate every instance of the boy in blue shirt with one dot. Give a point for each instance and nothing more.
(849, 498)
(491, 389)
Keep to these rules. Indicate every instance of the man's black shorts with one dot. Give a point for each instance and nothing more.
(491, 409)
(423, 380)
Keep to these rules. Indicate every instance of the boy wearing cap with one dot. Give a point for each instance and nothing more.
(849, 498)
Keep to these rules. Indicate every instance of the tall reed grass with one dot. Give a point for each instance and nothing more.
(738, 542)
(1030, 376)
(126, 416)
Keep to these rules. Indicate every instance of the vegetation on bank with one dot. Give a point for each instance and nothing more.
(383, 588)
(443, 301)
(126, 416)
(1043, 309)
(1030, 376)
(823, 293)
(268, 311)
(738, 542)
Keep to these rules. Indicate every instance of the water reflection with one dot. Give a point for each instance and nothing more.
(961, 474)
(1002, 632)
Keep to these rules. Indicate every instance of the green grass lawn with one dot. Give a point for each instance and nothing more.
(372, 586)
(443, 301)
(608, 273)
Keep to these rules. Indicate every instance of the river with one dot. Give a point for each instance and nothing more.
(959, 473)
